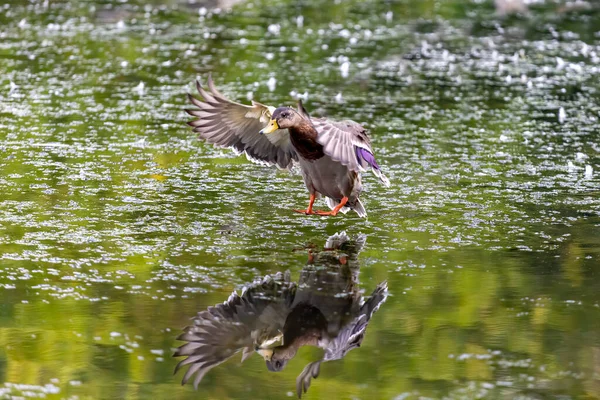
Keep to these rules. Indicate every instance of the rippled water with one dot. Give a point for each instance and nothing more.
(117, 225)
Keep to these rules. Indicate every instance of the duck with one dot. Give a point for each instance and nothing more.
(275, 317)
(331, 154)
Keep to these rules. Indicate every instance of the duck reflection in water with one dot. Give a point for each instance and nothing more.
(275, 317)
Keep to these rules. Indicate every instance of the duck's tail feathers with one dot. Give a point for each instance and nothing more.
(382, 178)
(358, 207)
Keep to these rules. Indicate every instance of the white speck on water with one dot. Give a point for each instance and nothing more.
(202, 11)
(274, 29)
(344, 69)
(115, 334)
(562, 115)
(250, 95)
(50, 388)
(504, 383)
(580, 156)
(338, 98)
(23, 24)
(585, 49)
(141, 358)
(425, 48)
(243, 41)
(589, 172)
(269, 56)
(139, 89)
(75, 383)
(120, 25)
(299, 21)
(157, 352)
(272, 83)
(124, 64)
(296, 95)
(13, 87)
(389, 16)
(570, 166)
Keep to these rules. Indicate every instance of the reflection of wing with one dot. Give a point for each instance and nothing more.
(350, 337)
(225, 123)
(348, 143)
(303, 381)
(238, 324)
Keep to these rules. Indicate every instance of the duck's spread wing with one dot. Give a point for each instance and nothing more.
(350, 337)
(226, 123)
(348, 143)
(236, 325)
(341, 140)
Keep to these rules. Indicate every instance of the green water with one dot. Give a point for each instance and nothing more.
(117, 225)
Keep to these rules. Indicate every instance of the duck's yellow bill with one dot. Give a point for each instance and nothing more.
(271, 127)
(267, 354)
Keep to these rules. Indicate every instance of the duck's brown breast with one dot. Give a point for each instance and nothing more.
(304, 140)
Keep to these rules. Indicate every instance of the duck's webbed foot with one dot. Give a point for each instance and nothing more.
(309, 210)
(336, 210)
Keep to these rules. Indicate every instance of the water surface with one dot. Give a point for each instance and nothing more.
(117, 225)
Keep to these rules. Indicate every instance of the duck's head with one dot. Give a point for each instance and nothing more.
(283, 118)
(277, 358)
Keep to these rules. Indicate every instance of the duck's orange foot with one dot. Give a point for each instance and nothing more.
(336, 210)
(331, 213)
(306, 212)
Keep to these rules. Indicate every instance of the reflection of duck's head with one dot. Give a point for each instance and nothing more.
(276, 365)
(274, 359)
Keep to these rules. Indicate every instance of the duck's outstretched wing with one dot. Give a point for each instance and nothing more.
(350, 337)
(226, 123)
(308, 373)
(347, 142)
(239, 324)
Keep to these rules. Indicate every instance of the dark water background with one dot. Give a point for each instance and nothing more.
(117, 225)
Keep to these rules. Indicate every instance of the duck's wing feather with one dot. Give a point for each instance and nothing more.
(238, 324)
(348, 143)
(226, 123)
(350, 337)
